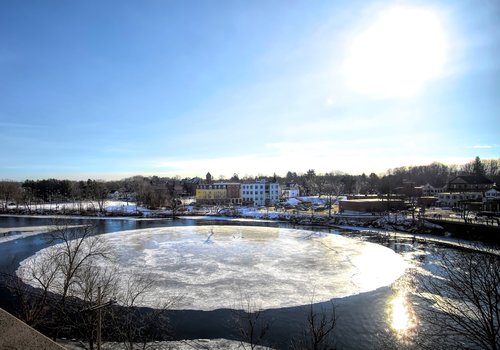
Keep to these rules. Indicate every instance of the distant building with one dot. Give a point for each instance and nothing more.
(454, 199)
(290, 190)
(470, 183)
(218, 193)
(492, 194)
(429, 190)
(408, 189)
(427, 201)
(260, 192)
(371, 205)
(491, 201)
(209, 178)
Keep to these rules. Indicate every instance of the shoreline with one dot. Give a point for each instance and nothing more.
(413, 232)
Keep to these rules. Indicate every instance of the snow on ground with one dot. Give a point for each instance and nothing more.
(315, 200)
(214, 267)
(192, 344)
(109, 205)
(255, 213)
(293, 201)
(224, 218)
(125, 208)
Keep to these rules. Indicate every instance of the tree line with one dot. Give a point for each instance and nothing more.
(158, 192)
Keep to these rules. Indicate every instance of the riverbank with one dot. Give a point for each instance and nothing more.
(390, 222)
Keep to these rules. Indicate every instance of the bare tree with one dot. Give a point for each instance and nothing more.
(252, 325)
(173, 203)
(9, 191)
(41, 272)
(136, 326)
(77, 247)
(333, 189)
(99, 192)
(74, 270)
(63, 279)
(27, 198)
(87, 282)
(318, 333)
(462, 304)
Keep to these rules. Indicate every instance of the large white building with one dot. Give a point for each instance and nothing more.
(453, 199)
(260, 192)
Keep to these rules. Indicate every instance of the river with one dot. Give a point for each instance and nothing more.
(363, 317)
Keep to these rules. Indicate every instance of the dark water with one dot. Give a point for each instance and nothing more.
(361, 318)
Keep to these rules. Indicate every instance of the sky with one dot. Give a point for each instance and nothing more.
(111, 89)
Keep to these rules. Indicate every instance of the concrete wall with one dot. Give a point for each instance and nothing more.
(15, 334)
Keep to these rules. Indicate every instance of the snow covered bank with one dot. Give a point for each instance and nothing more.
(191, 344)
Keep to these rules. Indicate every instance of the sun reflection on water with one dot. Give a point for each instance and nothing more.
(403, 320)
(400, 315)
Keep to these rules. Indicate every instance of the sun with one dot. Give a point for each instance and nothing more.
(402, 50)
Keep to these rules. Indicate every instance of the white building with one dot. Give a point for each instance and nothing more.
(453, 199)
(429, 190)
(260, 192)
(492, 194)
(290, 190)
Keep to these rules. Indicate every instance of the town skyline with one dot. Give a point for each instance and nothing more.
(117, 89)
(490, 166)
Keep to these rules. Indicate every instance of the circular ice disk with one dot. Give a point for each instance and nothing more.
(215, 267)
(212, 267)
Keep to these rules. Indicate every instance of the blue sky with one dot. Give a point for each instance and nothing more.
(118, 88)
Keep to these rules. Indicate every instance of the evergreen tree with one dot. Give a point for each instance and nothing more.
(478, 167)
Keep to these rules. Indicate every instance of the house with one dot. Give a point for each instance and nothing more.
(290, 190)
(454, 199)
(429, 190)
(491, 201)
(492, 194)
(260, 192)
(218, 193)
(470, 183)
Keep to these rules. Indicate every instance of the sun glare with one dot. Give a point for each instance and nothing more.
(397, 55)
(400, 316)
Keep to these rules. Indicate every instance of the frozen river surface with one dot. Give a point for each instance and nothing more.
(213, 267)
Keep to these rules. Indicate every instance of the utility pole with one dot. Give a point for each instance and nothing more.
(98, 308)
(99, 318)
